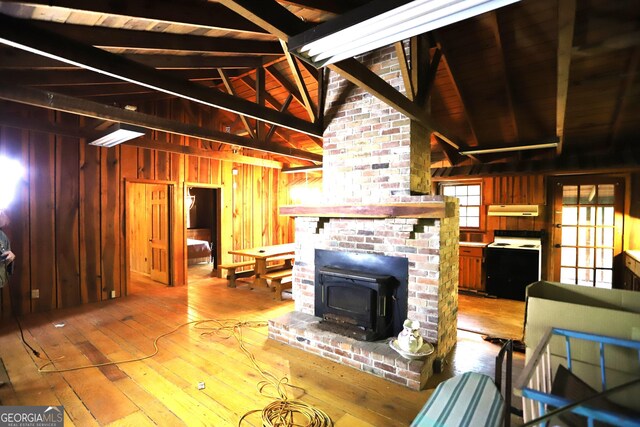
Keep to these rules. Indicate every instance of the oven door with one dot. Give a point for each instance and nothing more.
(510, 271)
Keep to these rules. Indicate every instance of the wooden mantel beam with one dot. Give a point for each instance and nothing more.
(18, 33)
(59, 102)
(435, 209)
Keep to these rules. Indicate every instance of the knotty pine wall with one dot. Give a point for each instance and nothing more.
(68, 228)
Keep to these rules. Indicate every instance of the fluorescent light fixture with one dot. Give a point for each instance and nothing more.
(539, 146)
(381, 23)
(117, 134)
(303, 169)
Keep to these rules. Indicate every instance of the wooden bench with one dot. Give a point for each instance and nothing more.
(277, 277)
(288, 262)
(232, 274)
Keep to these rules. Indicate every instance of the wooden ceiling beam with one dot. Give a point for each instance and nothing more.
(405, 70)
(226, 156)
(269, 15)
(459, 93)
(74, 132)
(55, 101)
(335, 7)
(566, 23)
(16, 33)
(80, 77)
(116, 38)
(198, 13)
(13, 59)
(494, 24)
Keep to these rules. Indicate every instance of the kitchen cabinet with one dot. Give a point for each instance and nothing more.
(631, 281)
(471, 276)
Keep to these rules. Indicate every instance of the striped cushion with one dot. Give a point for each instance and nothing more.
(470, 399)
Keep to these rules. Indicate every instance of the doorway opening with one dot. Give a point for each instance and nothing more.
(203, 214)
(147, 232)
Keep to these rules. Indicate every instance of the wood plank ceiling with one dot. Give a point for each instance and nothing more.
(531, 72)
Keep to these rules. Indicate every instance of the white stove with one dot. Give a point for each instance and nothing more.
(527, 243)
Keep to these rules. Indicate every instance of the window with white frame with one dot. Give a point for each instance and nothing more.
(470, 202)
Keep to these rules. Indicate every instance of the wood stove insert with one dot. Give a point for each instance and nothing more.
(362, 296)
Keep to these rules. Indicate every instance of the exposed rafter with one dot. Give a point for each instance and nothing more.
(83, 107)
(492, 18)
(283, 24)
(405, 70)
(203, 14)
(16, 33)
(302, 88)
(25, 60)
(566, 22)
(134, 39)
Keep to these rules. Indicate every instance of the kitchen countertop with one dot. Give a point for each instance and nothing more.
(635, 254)
(476, 244)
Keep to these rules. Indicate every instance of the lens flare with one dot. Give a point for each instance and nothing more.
(11, 172)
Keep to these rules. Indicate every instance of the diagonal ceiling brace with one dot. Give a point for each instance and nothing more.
(17, 33)
(227, 83)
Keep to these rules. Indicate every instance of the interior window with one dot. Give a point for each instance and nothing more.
(470, 202)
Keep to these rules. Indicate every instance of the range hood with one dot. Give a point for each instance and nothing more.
(513, 210)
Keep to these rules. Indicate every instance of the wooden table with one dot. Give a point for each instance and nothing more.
(261, 255)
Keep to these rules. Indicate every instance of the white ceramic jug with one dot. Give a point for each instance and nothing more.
(409, 338)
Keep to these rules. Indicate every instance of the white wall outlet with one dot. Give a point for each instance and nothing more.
(35, 293)
(113, 294)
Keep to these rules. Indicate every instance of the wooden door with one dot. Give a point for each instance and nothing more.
(587, 233)
(158, 215)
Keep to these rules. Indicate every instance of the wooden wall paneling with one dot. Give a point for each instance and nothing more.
(162, 158)
(66, 214)
(237, 204)
(128, 161)
(146, 163)
(257, 218)
(112, 210)
(226, 220)
(42, 223)
(14, 144)
(89, 223)
(215, 172)
(179, 256)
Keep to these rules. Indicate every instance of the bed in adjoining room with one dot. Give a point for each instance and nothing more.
(199, 246)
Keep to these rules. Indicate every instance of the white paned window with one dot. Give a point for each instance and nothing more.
(470, 196)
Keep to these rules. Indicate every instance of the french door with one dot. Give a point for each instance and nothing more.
(587, 234)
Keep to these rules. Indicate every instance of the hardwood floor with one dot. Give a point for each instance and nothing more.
(502, 318)
(163, 390)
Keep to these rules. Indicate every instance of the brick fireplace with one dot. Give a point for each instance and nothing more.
(377, 200)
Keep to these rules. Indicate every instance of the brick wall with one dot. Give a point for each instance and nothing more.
(369, 156)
